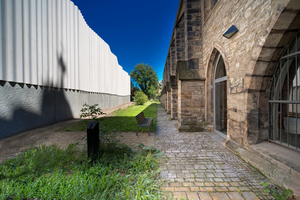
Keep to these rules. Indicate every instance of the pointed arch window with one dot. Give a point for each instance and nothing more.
(220, 100)
(284, 100)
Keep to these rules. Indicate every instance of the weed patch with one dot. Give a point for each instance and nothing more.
(52, 173)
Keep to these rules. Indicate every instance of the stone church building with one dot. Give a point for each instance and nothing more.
(233, 68)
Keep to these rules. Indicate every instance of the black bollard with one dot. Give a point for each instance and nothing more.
(93, 139)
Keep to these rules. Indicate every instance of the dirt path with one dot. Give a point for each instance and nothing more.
(48, 135)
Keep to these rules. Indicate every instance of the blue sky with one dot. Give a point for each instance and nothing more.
(136, 30)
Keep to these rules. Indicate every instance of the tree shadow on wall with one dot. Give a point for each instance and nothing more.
(33, 106)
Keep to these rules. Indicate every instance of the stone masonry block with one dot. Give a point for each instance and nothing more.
(183, 73)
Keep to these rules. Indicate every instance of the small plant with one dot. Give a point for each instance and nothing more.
(287, 193)
(106, 136)
(140, 98)
(90, 111)
(151, 149)
(169, 119)
(240, 191)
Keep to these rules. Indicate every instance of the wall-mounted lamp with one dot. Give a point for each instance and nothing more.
(230, 32)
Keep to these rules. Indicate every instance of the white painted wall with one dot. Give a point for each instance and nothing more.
(40, 37)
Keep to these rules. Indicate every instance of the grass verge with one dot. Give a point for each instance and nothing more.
(52, 173)
(123, 120)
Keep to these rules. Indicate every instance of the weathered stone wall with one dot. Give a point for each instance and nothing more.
(253, 19)
(169, 102)
(190, 105)
(193, 32)
(250, 56)
(163, 99)
(174, 103)
(174, 97)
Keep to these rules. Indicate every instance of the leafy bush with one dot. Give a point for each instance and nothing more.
(140, 98)
(90, 111)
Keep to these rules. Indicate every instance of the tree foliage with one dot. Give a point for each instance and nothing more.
(133, 90)
(146, 78)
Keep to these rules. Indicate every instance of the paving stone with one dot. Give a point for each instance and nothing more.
(199, 184)
(221, 189)
(222, 184)
(218, 179)
(236, 184)
(219, 196)
(168, 188)
(207, 189)
(192, 196)
(179, 195)
(209, 180)
(190, 179)
(189, 175)
(179, 167)
(204, 196)
(230, 175)
(235, 196)
(210, 175)
(181, 188)
(199, 175)
(199, 179)
(244, 188)
(175, 184)
(219, 175)
(195, 189)
(233, 189)
(188, 184)
(250, 196)
(211, 184)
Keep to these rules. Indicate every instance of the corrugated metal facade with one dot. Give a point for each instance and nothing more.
(48, 43)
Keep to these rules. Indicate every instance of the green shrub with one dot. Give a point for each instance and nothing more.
(140, 98)
(90, 111)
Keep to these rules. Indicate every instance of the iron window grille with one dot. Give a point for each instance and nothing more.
(284, 100)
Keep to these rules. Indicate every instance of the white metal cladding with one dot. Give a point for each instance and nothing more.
(48, 43)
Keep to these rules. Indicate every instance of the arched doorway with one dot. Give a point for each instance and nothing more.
(284, 101)
(220, 97)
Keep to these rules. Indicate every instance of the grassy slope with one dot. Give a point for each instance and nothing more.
(123, 119)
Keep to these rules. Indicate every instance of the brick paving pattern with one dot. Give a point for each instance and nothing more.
(196, 166)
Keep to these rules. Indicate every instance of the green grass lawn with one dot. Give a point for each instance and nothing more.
(49, 172)
(123, 119)
(53, 173)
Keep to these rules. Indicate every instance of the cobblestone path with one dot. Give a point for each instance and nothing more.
(198, 166)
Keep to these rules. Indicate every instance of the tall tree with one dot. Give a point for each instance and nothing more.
(146, 78)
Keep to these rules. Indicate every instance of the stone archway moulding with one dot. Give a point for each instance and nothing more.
(209, 83)
(215, 49)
